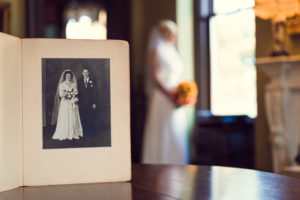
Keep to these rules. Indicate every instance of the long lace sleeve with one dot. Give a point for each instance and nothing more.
(61, 91)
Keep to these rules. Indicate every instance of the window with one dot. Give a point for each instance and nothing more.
(85, 22)
(230, 65)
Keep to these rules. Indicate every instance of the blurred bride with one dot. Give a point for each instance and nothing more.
(165, 135)
(65, 110)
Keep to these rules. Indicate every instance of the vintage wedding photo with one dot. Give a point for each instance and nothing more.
(76, 103)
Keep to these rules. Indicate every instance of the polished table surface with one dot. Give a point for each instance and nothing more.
(173, 182)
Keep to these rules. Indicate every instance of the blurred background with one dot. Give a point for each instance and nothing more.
(218, 41)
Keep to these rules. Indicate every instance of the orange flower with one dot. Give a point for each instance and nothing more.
(186, 93)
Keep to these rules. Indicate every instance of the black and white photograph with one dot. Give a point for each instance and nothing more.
(76, 103)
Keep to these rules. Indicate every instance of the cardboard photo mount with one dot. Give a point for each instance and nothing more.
(23, 161)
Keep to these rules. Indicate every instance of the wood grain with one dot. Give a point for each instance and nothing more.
(173, 182)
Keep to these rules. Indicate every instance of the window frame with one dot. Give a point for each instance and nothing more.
(203, 10)
(203, 13)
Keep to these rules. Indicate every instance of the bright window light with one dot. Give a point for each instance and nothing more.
(233, 72)
(221, 6)
(85, 28)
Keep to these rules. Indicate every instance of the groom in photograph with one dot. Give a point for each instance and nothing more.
(87, 94)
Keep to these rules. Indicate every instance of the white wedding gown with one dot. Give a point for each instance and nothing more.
(165, 136)
(68, 121)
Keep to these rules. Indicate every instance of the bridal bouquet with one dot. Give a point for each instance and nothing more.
(186, 93)
(71, 95)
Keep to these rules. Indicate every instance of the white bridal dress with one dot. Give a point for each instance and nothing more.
(68, 120)
(165, 136)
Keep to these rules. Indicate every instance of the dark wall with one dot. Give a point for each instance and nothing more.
(118, 19)
(263, 159)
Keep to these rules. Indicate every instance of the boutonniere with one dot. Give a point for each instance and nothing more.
(91, 81)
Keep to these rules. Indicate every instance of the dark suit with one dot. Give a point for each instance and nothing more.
(87, 94)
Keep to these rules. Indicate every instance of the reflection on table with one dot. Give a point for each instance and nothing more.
(173, 182)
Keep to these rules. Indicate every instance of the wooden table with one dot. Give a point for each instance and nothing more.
(173, 182)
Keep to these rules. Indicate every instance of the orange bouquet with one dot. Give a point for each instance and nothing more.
(186, 93)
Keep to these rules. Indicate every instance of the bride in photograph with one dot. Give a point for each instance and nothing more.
(65, 110)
